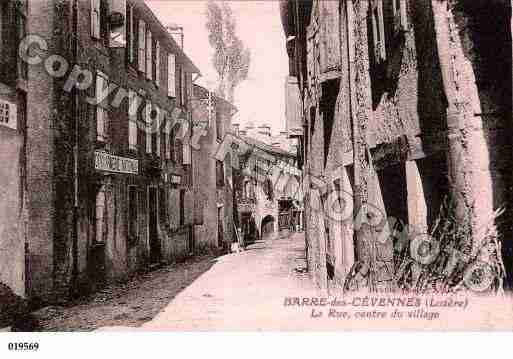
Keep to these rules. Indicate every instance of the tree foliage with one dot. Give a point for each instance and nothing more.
(231, 58)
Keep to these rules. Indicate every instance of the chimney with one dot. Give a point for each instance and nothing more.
(235, 129)
(264, 133)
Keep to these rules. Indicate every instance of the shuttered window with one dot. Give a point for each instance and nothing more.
(142, 46)
(166, 139)
(95, 19)
(183, 87)
(147, 110)
(219, 174)
(178, 150)
(130, 32)
(102, 114)
(156, 134)
(132, 120)
(171, 76)
(149, 53)
(157, 63)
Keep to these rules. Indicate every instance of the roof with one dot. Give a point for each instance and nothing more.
(265, 147)
(202, 93)
(177, 50)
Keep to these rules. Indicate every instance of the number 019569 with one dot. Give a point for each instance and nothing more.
(23, 346)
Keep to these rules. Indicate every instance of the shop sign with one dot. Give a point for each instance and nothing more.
(110, 163)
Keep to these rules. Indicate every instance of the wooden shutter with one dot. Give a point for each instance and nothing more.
(149, 53)
(95, 19)
(167, 133)
(171, 75)
(142, 46)
(130, 32)
(182, 86)
(186, 153)
(102, 82)
(132, 121)
(148, 126)
(157, 63)
(156, 129)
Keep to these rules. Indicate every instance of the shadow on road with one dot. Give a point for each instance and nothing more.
(125, 304)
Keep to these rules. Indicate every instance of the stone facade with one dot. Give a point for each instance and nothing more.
(403, 104)
(213, 185)
(267, 186)
(101, 185)
(13, 174)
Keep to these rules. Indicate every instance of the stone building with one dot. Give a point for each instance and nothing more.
(13, 175)
(213, 186)
(397, 105)
(267, 184)
(95, 120)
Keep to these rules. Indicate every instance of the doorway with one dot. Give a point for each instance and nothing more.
(155, 250)
(220, 230)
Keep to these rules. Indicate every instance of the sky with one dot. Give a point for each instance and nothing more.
(261, 98)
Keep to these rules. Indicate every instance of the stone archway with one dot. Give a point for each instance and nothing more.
(267, 228)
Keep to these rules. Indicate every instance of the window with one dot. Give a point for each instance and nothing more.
(166, 138)
(219, 126)
(130, 32)
(95, 19)
(155, 141)
(219, 173)
(187, 168)
(141, 55)
(378, 31)
(178, 151)
(149, 54)
(172, 152)
(183, 87)
(134, 100)
(182, 207)
(148, 127)
(157, 63)
(132, 214)
(102, 114)
(171, 71)
(179, 82)
(400, 16)
(187, 155)
(99, 215)
(162, 205)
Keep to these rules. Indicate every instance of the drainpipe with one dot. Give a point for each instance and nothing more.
(75, 156)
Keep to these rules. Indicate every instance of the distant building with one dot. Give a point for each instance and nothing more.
(267, 181)
(213, 186)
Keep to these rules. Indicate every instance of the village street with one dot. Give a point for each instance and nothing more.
(237, 291)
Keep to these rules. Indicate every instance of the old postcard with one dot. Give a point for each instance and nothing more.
(287, 165)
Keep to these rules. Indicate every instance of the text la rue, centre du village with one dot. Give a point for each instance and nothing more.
(366, 303)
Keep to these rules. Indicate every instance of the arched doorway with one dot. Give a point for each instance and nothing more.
(267, 227)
